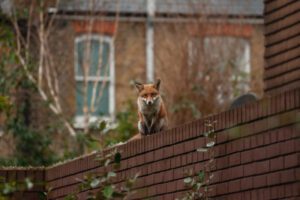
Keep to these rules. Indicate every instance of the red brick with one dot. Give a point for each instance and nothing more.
(260, 193)
(229, 148)
(291, 160)
(276, 163)
(259, 153)
(189, 158)
(225, 174)
(149, 180)
(287, 147)
(183, 159)
(220, 150)
(273, 178)
(98, 27)
(158, 166)
(189, 146)
(222, 137)
(161, 188)
(140, 159)
(234, 159)
(221, 188)
(178, 148)
(267, 139)
(262, 167)
(250, 169)
(178, 173)
(259, 140)
(237, 145)
(235, 196)
(21, 175)
(222, 162)
(273, 150)
(234, 186)
(247, 195)
(246, 156)
(259, 181)
(253, 142)
(287, 176)
(180, 185)
(199, 142)
(247, 143)
(168, 175)
(158, 177)
(158, 154)
(198, 167)
(279, 193)
(168, 196)
(273, 136)
(283, 134)
(168, 151)
(236, 172)
(149, 157)
(247, 183)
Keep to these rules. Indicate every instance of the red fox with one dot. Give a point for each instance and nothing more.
(151, 109)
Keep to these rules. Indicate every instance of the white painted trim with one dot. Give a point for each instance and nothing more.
(150, 40)
(158, 19)
(92, 78)
(79, 120)
(112, 92)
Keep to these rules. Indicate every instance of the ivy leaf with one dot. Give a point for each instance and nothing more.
(202, 149)
(102, 126)
(29, 184)
(210, 144)
(117, 158)
(111, 174)
(106, 163)
(70, 197)
(187, 180)
(94, 183)
(201, 176)
(108, 191)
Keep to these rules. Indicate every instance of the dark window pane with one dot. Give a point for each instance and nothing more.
(97, 58)
(101, 103)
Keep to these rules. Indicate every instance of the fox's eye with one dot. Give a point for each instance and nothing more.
(144, 96)
(153, 94)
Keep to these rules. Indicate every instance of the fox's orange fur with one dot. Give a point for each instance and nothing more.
(151, 109)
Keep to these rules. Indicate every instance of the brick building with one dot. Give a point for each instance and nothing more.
(187, 36)
(256, 151)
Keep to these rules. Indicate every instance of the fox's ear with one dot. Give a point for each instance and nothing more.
(138, 86)
(157, 84)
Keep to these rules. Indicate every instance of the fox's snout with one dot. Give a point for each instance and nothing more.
(149, 101)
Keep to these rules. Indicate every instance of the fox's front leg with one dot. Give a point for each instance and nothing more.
(142, 128)
(159, 125)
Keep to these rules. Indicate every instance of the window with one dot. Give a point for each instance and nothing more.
(226, 60)
(94, 76)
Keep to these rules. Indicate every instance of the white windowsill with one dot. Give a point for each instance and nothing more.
(79, 121)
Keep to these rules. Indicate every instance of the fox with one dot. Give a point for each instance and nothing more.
(152, 112)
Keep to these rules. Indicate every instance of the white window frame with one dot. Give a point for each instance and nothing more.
(79, 120)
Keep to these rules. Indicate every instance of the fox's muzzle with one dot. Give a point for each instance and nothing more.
(149, 101)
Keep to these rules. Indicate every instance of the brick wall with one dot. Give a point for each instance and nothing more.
(257, 156)
(18, 175)
(282, 56)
